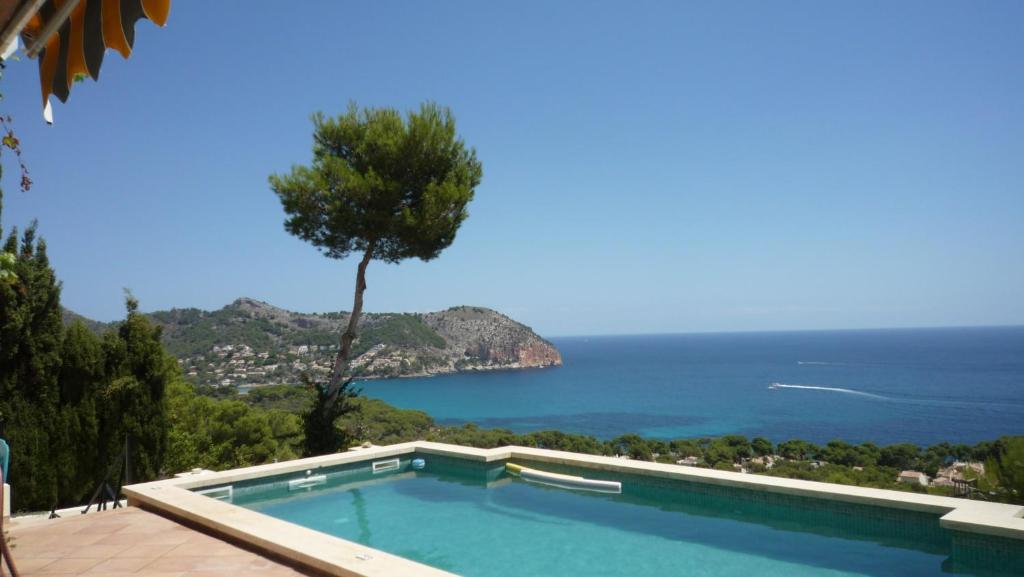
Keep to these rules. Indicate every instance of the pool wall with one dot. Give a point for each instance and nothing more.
(991, 530)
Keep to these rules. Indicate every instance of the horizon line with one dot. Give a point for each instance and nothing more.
(771, 331)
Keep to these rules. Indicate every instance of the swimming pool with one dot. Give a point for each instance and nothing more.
(371, 513)
(474, 519)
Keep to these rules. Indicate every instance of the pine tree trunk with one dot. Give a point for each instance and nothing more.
(349, 336)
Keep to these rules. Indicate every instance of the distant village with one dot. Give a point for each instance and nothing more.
(241, 366)
(957, 473)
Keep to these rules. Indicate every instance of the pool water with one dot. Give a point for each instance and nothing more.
(474, 520)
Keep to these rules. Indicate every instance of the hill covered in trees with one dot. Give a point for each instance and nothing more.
(250, 342)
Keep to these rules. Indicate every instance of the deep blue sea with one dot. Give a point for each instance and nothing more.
(923, 386)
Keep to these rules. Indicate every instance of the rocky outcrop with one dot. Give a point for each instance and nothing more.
(487, 337)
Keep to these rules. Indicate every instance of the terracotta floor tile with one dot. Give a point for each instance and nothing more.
(131, 543)
(82, 539)
(36, 541)
(213, 549)
(176, 564)
(96, 551)
(76, 566)
(164, 538)
(149, 551)
(125, 539)
(143, 528)
(65, 530)
(35, 551)
(119, 565)
(106, 528)
(30, 565)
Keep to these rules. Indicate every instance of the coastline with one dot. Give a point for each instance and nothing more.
(476, 369)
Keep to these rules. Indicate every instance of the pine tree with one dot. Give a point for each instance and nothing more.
(382, 186)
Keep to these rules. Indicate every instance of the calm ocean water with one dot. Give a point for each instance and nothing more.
(917, 385)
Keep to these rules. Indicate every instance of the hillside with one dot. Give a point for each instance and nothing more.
(98, 327)
(249, 342)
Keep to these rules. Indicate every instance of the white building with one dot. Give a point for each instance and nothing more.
(913, 478)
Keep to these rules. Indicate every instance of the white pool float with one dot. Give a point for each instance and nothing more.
(563, 481)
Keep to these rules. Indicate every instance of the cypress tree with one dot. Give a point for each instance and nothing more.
(81, 378)
(31, 336)
(69, 398)
(138, 372)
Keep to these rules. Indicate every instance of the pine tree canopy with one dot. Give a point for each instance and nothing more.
(380, 183)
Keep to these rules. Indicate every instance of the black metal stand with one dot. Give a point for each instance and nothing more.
(104, 491)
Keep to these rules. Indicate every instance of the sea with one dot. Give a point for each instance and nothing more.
(922, 386)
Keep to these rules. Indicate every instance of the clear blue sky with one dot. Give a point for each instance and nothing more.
(648, 166)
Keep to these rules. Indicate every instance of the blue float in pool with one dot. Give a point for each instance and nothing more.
(418, 464)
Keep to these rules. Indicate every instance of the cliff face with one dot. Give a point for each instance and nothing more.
(250, 342)
(491, 338)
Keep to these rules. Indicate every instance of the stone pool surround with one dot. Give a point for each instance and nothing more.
(334, 556)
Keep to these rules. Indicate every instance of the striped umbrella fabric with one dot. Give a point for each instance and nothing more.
(86, 28)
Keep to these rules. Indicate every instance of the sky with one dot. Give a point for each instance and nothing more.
(649, 167)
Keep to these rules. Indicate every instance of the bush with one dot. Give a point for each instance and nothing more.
(223, 434)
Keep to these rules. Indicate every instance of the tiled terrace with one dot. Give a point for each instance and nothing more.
(130, 542)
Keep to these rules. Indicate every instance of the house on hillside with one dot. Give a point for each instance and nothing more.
(913, 478)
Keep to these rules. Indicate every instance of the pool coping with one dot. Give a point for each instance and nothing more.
(335, 556)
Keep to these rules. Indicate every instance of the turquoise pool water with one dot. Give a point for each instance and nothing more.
(474, 520)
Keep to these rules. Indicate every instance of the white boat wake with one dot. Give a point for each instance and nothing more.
(829, 389)
(988, 406)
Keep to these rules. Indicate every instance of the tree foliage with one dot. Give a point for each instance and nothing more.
(69, 397)
(397, 330)
(1006, 469)
(223, 434)
(7, 262)
(320, 422)
(378, 421)
(397, 188)
(385, 187)
(761, 446)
